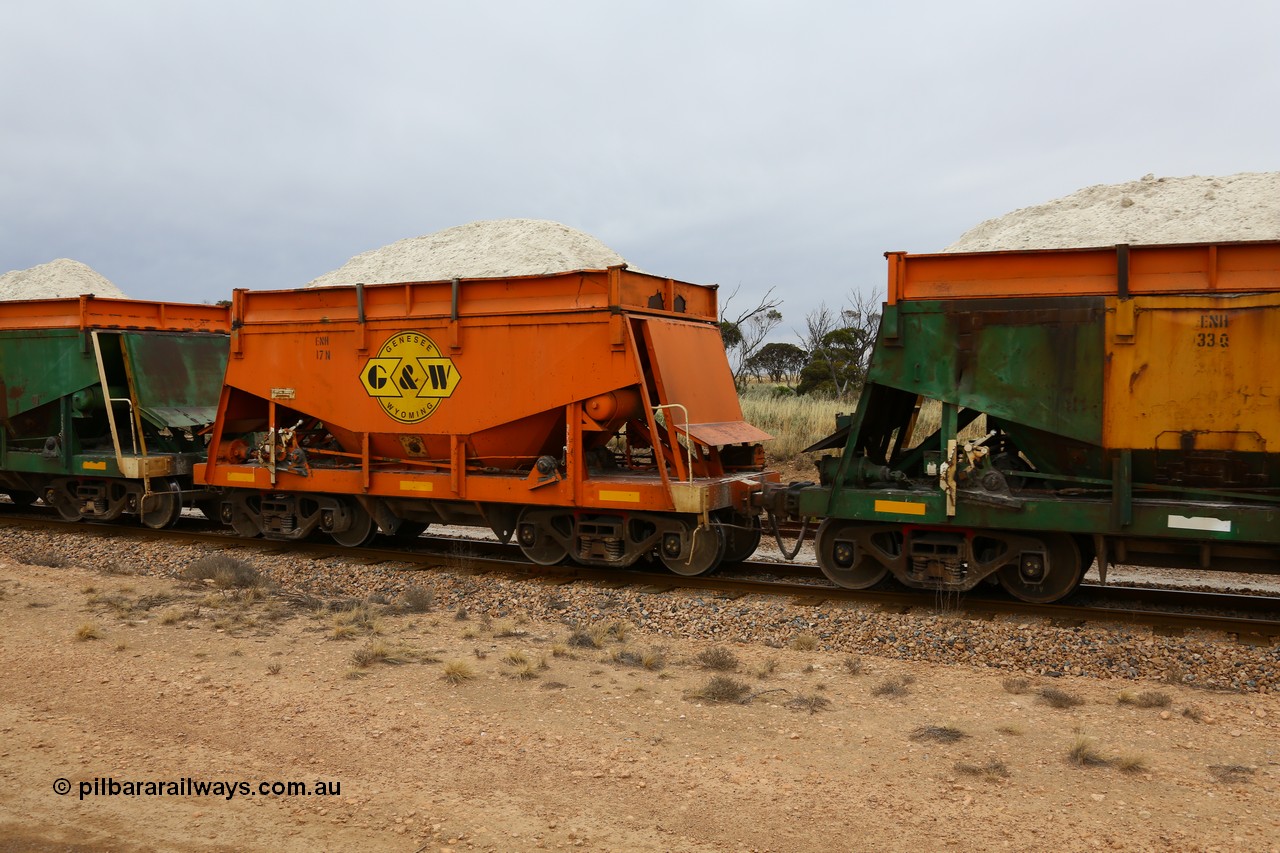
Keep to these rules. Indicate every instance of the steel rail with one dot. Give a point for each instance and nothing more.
(1181, 609)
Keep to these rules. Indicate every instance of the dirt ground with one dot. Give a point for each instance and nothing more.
(555, 744)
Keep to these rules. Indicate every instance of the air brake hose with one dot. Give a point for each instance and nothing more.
(777, 536)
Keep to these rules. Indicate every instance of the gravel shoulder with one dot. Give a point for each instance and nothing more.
(579, 726)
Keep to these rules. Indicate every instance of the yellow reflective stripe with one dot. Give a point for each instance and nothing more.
(94, 466)
(414, 486)
(901, 507)
(624, 497)
(237, 477)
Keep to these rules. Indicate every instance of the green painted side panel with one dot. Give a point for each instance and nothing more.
(88, 465)
(1033, 362)
(39, 367)
(1193, 521)
(178, 378)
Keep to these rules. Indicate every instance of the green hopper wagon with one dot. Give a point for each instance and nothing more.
(103, 403)
(1027, 412)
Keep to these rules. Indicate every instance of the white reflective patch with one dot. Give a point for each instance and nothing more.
(1200, 522)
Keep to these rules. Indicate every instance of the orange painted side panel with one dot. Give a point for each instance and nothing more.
(623, 492)
(91, 312)
(1193, 372)
(408, 380)
(516, 296)
(693, 372)
(1151, 270)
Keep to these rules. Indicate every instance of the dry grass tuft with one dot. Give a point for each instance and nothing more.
(717, 658)
(941, 734)
(721, 688)
(992, 770)
(586, 638)
(172, 616)
(225, 572)
(895, 687)
(812, 703)
(374, 653)
(457, 671)
(515, 658)
(417, 599)
(1016, 685)
(1084, 753)
(526, 671)
(48, 559)
(1130, 762)
(506, 630)
(803, 643)
(853, 665)
(273, 668)
(652, 660)
(1011, 729)
(1231, 774)
(767, 668)
(1059, 698)
(88, 631)
(1194, 714)
(360, 619)
(796, 422)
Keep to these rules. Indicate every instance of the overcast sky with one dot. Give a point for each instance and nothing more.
(183, 149)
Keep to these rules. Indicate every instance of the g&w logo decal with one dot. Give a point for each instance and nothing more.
(408, 377)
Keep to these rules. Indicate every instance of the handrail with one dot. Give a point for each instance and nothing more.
(688, 441)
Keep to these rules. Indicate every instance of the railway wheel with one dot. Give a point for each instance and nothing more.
(536, 541)
(842, 559)
(696, 553)
(62, 501)
(1042, 577)
(361, 530)
(22, 498)
(161, 509)
(244, 525)
(741, 537)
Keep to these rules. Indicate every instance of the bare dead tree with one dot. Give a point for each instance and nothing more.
(745, 332)
(839, 345)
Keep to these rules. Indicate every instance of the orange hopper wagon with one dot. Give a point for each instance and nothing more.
(589, 414)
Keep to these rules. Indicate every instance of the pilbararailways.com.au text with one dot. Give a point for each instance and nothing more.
(187, 787)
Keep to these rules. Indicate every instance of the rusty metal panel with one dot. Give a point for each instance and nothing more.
(1035, 362)
(39, 367)
(691, 370)
(91, 312)
(177, 378)
(1196, 373)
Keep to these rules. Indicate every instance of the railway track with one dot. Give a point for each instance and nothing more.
(1247, 618)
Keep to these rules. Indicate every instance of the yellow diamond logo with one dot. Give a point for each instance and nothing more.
(409, 377)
